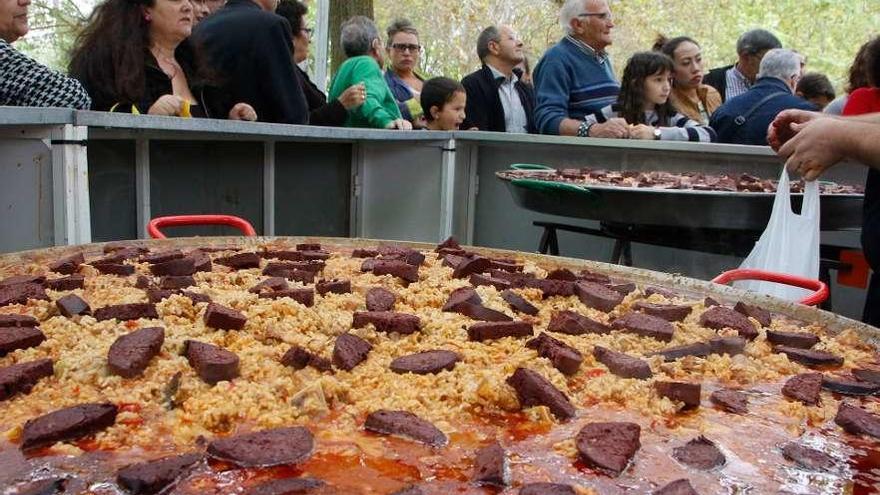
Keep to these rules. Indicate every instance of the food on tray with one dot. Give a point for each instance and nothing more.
(673, 181)
(275, 368)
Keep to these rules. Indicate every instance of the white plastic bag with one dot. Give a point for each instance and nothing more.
(789, 245)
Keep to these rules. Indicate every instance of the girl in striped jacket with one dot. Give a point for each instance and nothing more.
(644, 103)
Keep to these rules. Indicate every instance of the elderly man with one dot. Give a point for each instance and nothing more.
(734, 80)
(251, 50)
(575, 79)
(361, 44)
(811, 142)
(744, 119)
(497, 99)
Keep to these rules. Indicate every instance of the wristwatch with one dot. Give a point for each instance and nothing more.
(657, 134)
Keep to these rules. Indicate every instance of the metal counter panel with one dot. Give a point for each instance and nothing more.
(26, 213)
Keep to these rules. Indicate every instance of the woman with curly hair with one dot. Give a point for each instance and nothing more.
(858, 77)
(644, 103)
(134, 56)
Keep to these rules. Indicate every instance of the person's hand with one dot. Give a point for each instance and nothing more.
(781, 130)
(354, 96)
(243, 111)
(400, 124)
(641, 131)
(813, 148)
(167, 105)
(614, 129)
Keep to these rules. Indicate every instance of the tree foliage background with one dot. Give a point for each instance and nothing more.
(827, 32)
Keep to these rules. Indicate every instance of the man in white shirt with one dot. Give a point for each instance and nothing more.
(498, 100)
(734, 80)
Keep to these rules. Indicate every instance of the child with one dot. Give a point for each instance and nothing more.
(644, 103)
(443, 101)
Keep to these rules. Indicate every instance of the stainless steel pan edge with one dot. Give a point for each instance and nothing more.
(11, 264)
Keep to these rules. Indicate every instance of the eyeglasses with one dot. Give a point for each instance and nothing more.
(602, 16)
(404, 47)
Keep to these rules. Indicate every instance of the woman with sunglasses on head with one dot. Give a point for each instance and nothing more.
(404, 52)
(321, 112)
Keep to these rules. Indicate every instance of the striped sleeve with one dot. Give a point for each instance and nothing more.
(685, 129)
(607, 113)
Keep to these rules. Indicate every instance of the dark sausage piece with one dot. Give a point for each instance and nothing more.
(68, 265)
(478, 279)
(804, 388)
(621, 364)
(387, 321)
(669, 312)
(689, 393)
(213, 364)
(857, 421)
(14, 338)
(565, 358)
(396, 268)
(462, 295)
(480, 332)
(609, 446)
(808, 458)
(270, 284)
(864, 374)
(645, 325)
(174, 282)
(482, 313)
(151, 477)
(298, 358)
(223, 318)
(762, 315)
(405, 424)
(719, 317)
(350, 351)
(114, 269)
(424, 363)
(333, 286)
(265, 448)
(532, 389)
(240, 261)
(547, 489)
(21, 293)
(67, 424)
(845, 386)
(130, 354)
(699, 453)
(177, 267)
(379, 299)
(731, 401)
(490, 466)
(470, 266)
(126, 312)
(18, 321)
(801, 340)
(550, 288)
(519, 303)
(22, 377)
(571, 323)
(727, 345)
(71, 282)
(597, 296)
(677, 487)
(306, 297)
(72, 305)
(808, 357)
(700, 349)
(161, 257)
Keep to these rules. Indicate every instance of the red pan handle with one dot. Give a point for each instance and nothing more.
(185, 220)
(820, 288)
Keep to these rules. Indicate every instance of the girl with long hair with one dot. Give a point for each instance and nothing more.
(644, 103)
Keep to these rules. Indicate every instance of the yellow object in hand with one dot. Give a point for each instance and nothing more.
(184, 109)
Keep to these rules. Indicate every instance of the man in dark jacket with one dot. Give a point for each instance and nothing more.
(734, 80)
(250, 49)
(497, 100)
(745, 118)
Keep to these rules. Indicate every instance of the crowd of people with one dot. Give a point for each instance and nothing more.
(242, 60)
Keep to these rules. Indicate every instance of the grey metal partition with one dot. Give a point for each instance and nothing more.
(72, 177)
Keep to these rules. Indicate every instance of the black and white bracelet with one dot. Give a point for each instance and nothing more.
(584, 129)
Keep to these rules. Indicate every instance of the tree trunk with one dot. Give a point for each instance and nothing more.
(341, 11)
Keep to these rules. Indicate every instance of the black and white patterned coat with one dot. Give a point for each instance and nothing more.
(24, 82)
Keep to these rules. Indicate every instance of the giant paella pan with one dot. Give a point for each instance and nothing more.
(291, 365)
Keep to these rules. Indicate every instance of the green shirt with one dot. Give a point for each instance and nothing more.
(380, 107)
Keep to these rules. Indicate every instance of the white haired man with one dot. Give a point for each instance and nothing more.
(744, 119)
(575, 78)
